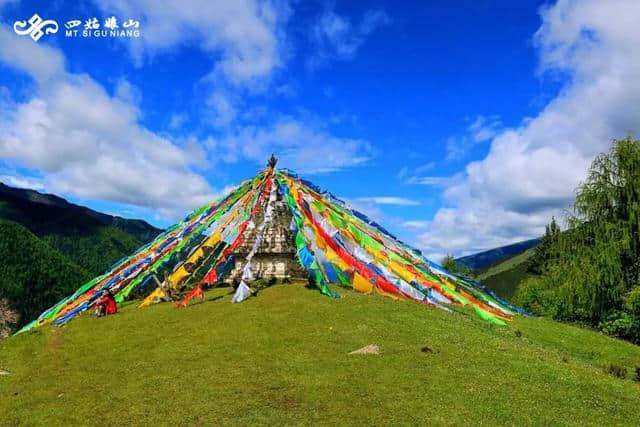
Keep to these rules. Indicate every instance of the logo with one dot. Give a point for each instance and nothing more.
(36, 27)
(111, 27)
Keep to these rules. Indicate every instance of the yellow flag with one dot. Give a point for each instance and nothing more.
(158, 293)
(213, 239)
(199, 253)
(402, 272)
(178, 276)
(361, 284)
(333, 258)
(320, 242)
(387, 294)
(380, 256)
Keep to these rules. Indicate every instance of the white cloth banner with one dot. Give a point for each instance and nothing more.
(243, 290)
(242, 293)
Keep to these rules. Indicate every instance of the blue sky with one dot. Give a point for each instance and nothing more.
(460, 125)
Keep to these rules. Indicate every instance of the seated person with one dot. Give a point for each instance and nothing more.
(106, 305)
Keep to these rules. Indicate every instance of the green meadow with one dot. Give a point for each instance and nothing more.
(283, 357)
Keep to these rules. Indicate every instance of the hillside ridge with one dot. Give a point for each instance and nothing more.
(484, 259)
(25, 201)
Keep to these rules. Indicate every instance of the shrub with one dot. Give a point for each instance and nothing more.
(617, 371)
(8, 318)
(534, 296)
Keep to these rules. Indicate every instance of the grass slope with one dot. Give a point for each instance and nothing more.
(504, 276)
(281, 357)
(33, 275)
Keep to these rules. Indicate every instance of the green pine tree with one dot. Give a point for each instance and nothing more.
(591, 273)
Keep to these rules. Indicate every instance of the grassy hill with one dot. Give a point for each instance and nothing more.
(49, 247)
(485, 259)
(282, 357)
(504, 276)
(33, 275)
(91, 239)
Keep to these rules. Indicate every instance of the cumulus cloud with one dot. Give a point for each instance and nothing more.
(246, 34)
(299, 145)
(43, 64)
(337, 37)
(531, 172)
(245, 39)
(88, 143)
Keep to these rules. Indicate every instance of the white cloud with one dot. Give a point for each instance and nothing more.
(222, 109)
(43, 64)
(484, 128)
(246, 35)
(531, 172)
(245, 39)
(90, 144)
(177, 120)
(389, 200)
(415, 224)
(298, 145)
(433, 181)
(369, 208)
(481, 129)
(22, 182)
(336, 37)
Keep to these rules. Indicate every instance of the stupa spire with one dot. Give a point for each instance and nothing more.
(272, 161)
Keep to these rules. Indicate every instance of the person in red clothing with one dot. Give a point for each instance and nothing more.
(106, 305)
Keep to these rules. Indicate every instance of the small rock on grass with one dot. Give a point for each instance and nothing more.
(370, 349)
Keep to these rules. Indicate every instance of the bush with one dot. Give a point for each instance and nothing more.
(617, 371)
(618, 324)
(452, 266)
(534, 296)
(8, 318)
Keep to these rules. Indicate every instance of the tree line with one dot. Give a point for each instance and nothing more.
(590, 272)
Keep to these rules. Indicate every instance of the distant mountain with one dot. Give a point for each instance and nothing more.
(50, 247)
(504, 276)
(55, 212)
(33, 275)
(485, 259)
(91, 239)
